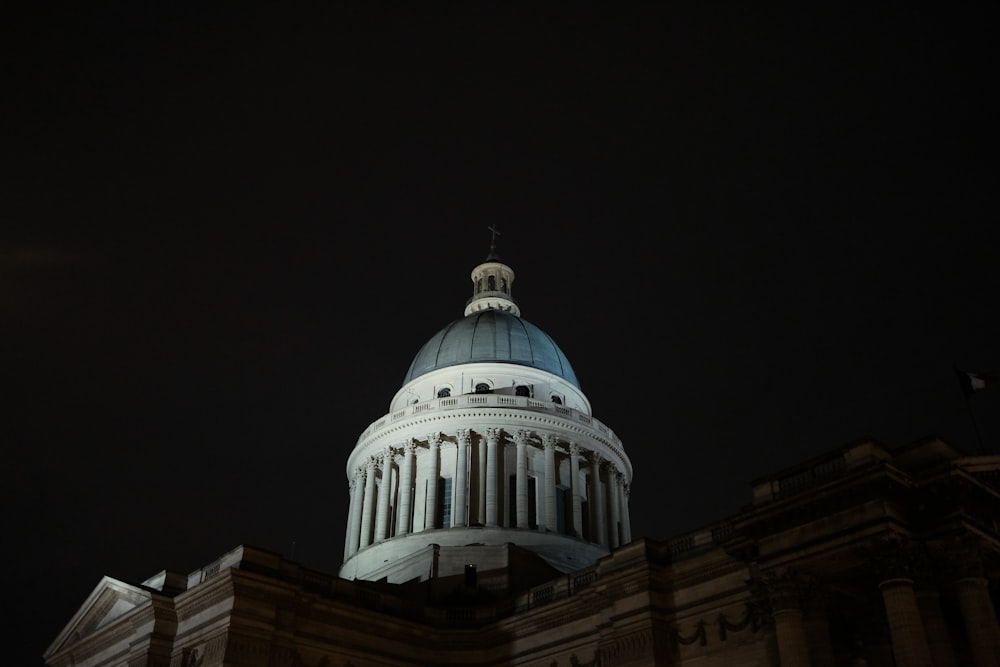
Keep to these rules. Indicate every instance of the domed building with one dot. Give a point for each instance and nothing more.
(488, 524)
(489, 441)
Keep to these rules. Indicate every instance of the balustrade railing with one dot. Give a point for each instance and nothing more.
(497, 400)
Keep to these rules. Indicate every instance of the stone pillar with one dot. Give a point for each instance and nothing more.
(521, 498)
(784, 592)
(909, 642)
(613, 504)
(600, 532)
(405, 489)
(938, 639)
(382, 509)
(492, 451)
(481, 462)
(349, 541)
(574, 474)
(626, 522)
(896, 560)
(434, 447)
(369, 500)
(980, 620)
(460, 510)
(551, 522)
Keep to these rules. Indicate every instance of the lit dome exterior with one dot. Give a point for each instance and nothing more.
(489, 441)
(492, 335)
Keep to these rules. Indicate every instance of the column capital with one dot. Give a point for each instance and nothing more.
(521, 436)
(464, 435)
(492, 433)
(785, 587)
(408, 445)
(596, 459)
(550, 440)
(896, 556)
(574, 448)
(962, 558)
(433, 439)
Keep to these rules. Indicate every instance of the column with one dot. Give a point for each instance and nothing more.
(980, 620)
(936, 627)
(492, 474)
(354, 514)
(521, 498)
(600, 534)
(481, 462)
(909, 643)
(369, 500)
(626, 522)
(784, 592)
(405, 489)
(460, 512)
(574, 474)
(613, 502)
(382, 509)
(896, 559)
(551, 522)
(434, 447)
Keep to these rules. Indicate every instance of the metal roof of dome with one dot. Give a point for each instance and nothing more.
(491, 335)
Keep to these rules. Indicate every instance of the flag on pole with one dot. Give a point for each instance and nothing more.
(973, 382)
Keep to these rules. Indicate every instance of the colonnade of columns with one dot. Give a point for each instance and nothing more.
(917, 628)
(396, 491)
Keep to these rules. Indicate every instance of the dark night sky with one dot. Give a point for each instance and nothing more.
(225, 232)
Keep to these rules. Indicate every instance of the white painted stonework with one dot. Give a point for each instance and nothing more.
(486, 452)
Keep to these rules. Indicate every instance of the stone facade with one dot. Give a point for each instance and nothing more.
(866, 556)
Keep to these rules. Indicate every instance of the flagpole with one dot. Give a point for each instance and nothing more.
(975, 426)
(966, 395)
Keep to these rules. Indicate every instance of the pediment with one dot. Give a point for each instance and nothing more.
(109, 601)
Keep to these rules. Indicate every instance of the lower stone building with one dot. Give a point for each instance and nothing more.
(865, 556)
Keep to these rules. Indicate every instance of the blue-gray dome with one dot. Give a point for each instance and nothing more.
(491, 336)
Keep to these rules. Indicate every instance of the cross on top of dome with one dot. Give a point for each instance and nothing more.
(493, 256)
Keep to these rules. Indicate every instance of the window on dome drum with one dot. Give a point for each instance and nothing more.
(563, 504)
(556, 400)
(491, 283)
(482, 388)
(503, 285)
(533, 503)
(479, 285)
(522, 390)
(444, 493)
(444, 393)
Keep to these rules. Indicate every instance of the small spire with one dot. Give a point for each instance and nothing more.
(493, 256)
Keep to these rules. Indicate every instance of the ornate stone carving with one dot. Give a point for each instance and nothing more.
(897, 557)
(785, 588)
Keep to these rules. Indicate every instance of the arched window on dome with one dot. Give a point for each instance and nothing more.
(522, 390)
(556, 399)
(503, 285)
(479, 285)
(482, 388)
(444, 392)
(491, 283)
